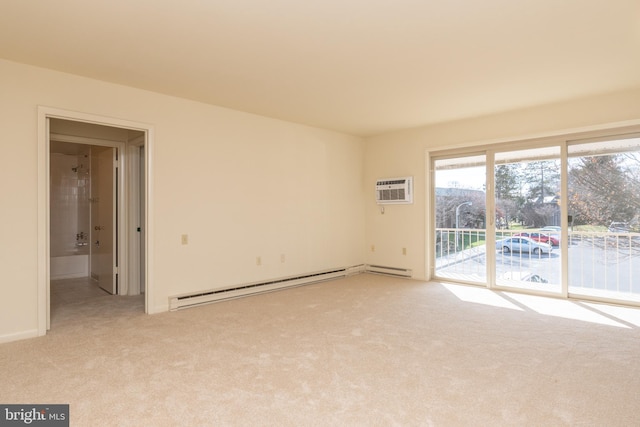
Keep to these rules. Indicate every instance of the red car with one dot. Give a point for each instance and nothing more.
(540, 237)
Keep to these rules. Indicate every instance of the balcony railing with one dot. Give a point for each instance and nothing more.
(605, 264)
(460, 254)
(600, 264)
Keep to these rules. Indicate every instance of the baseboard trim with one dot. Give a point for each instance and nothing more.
(178, 302)
(17, 336)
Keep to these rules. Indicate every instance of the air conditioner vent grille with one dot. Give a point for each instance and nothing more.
(394, 190)
(395, 194)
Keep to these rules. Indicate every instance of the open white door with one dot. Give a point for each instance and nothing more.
(103, 217)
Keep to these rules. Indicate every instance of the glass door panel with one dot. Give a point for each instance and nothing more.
(460, 225)
(604, 206)
(527, 222)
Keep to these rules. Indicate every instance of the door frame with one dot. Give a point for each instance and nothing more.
(43, 225)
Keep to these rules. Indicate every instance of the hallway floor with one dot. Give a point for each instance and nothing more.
(74, 290)
(72, 296)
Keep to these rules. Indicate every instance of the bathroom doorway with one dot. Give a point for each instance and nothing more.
(83, 212)
(95, 207)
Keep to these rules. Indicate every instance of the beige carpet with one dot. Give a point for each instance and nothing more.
(362, 351)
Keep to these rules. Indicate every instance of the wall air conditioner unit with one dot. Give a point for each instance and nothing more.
(394, 190)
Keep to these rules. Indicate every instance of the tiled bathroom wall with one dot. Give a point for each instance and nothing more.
(70, 209)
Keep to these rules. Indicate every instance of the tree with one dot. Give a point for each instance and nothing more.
(470, 216)
(508, 193)
(542, 179)
(602, 189)
(507, 178)
(522, 191)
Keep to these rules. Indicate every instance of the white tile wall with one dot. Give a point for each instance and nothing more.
(69, 204)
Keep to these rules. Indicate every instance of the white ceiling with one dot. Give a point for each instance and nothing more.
(362, 67)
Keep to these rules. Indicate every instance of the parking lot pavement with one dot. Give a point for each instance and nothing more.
(589, 267)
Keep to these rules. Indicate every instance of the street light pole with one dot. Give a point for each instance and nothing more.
(458, 219)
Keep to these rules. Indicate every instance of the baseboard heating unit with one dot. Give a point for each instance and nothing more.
(389, 271)
(207, 297)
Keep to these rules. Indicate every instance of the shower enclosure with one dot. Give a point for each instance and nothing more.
(70, 209)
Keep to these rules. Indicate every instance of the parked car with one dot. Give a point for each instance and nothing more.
(523, 244)
(524, 276)
(551, 229)
(540, 237)
(619, 227)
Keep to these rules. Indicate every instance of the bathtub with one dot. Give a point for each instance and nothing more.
(69, 266)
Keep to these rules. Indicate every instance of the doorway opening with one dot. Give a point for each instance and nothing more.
(93, 206)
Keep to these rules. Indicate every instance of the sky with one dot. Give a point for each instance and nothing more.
(473, 178)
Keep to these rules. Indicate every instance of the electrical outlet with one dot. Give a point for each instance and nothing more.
(373, 248)
(404, 251)
(185, 239)
(258, 260)
(282, 258)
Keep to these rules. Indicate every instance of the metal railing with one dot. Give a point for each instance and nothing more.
(605, 264)
(460, 254)
(600, 264)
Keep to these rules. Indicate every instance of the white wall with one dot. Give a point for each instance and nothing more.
(244, 186)
(240, 185)
(403, 153)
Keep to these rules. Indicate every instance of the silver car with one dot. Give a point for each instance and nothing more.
(523, 244)
(524, 276)
(619, 227)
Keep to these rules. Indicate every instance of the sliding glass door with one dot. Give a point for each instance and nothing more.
(604, 206)
(501, 217)
(460, 218)
(527, 221)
